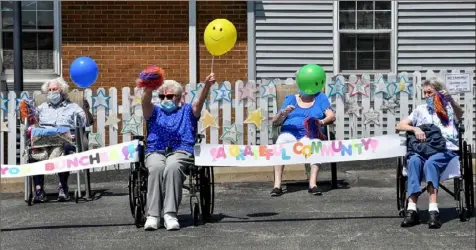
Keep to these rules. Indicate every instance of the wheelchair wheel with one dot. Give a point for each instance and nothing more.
(466, 202)
(138, 216)
(196, 214)
(206, 192)
(76, 195)
(470, 182)
(401, 188)
(131, 187)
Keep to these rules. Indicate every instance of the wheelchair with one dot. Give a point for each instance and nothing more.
(201, 188)
(463, 192)
(81, 145)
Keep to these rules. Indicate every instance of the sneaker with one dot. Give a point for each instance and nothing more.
(411, 219)
(277, 192)
(434, 221)
(63, 194)
(151, 223)
(40, 196)
(314, 190)
(171, 222)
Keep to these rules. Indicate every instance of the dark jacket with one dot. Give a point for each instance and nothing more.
(434, 143)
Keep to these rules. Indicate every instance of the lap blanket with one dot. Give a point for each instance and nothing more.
(49, 143)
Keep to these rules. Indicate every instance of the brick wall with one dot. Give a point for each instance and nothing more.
(124, 37)
(233, 65)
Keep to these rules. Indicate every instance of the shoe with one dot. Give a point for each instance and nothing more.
(40, 196)
(434, 221)
(151, 223)
(411, 219)
(63, 194)
(277, 192)
(314, 190)
(171, 222)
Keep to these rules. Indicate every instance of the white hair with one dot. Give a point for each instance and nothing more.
(64, 87)
(434, 82)
(173, 85)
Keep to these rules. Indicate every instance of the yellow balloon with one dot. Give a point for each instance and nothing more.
(220, 36)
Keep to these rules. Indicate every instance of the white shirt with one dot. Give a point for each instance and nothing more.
(421, 116)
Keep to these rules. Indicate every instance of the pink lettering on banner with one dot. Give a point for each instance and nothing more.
(4, 171)
(336, 149)
(373, 145)
(84, 160)
(248, 151)
(49, 166)
(366, 143)
(72, 162)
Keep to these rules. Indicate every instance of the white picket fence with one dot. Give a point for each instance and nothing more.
(231, 110)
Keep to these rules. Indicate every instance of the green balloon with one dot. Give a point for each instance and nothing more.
(311, 79)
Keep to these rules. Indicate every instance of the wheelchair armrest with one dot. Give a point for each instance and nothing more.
(199, 138)
(138, 137)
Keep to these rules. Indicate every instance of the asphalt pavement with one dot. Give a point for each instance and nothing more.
(361, 214)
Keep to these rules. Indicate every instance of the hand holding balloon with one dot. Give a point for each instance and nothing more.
(311, 79)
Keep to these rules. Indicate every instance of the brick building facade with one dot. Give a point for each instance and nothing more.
(124, 37)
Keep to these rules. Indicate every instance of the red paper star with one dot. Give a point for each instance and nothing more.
(358, 87)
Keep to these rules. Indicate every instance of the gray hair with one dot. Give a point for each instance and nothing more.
(173, 85)
(434, 82)
(64, 87)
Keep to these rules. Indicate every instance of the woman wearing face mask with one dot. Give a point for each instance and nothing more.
(58, 112)
(302, 116)
(171, 131)
(442, 111)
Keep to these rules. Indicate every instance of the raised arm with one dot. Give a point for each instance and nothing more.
(198, 105)
(147, 106)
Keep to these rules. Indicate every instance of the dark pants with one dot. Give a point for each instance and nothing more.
(39, 180)
(63, 177)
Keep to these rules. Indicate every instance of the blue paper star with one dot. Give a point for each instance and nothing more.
(269, 90)
(23, 96)
(196, 92)
(403, 85)
(101, 100)
(4, 104)
(222, 94)
(337, 88)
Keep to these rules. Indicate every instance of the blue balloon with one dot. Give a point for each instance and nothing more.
(83, 71)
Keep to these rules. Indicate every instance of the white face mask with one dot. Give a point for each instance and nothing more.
(54, 97)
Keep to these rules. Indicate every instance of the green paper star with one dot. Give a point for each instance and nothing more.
(95, 140)
(231, 134)
(132, 125)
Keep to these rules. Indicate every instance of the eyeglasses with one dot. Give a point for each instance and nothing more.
(167, 97)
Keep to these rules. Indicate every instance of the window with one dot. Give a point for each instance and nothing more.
(365, 31)
(40, 36)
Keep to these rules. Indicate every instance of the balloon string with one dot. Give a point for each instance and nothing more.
(213, 58)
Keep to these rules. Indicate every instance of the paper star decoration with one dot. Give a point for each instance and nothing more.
(222, 94)
(101, 100)
(4, 127)
(389, 105)
(372, 116)
(255, 117)
(248, 92)
(358, 87)
(404, 86)
(136, 99)
(112, 120)
(382, 87)
(269, 90)
(231, 134)
(132, 125)
(337, 88)
(95, 140)
(208, 120)
(4, 104)
(353, 107)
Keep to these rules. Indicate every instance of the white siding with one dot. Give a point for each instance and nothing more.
(290, 34)
(436, 35)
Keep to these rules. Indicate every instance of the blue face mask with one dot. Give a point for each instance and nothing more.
(430, 102)
(168, 106)
(54, 97)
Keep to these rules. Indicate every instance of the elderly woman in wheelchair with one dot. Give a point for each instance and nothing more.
(49, 131)
(171, 131)
(432, 145)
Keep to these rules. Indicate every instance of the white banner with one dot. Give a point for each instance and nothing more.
(117, 154)
(304, 151)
